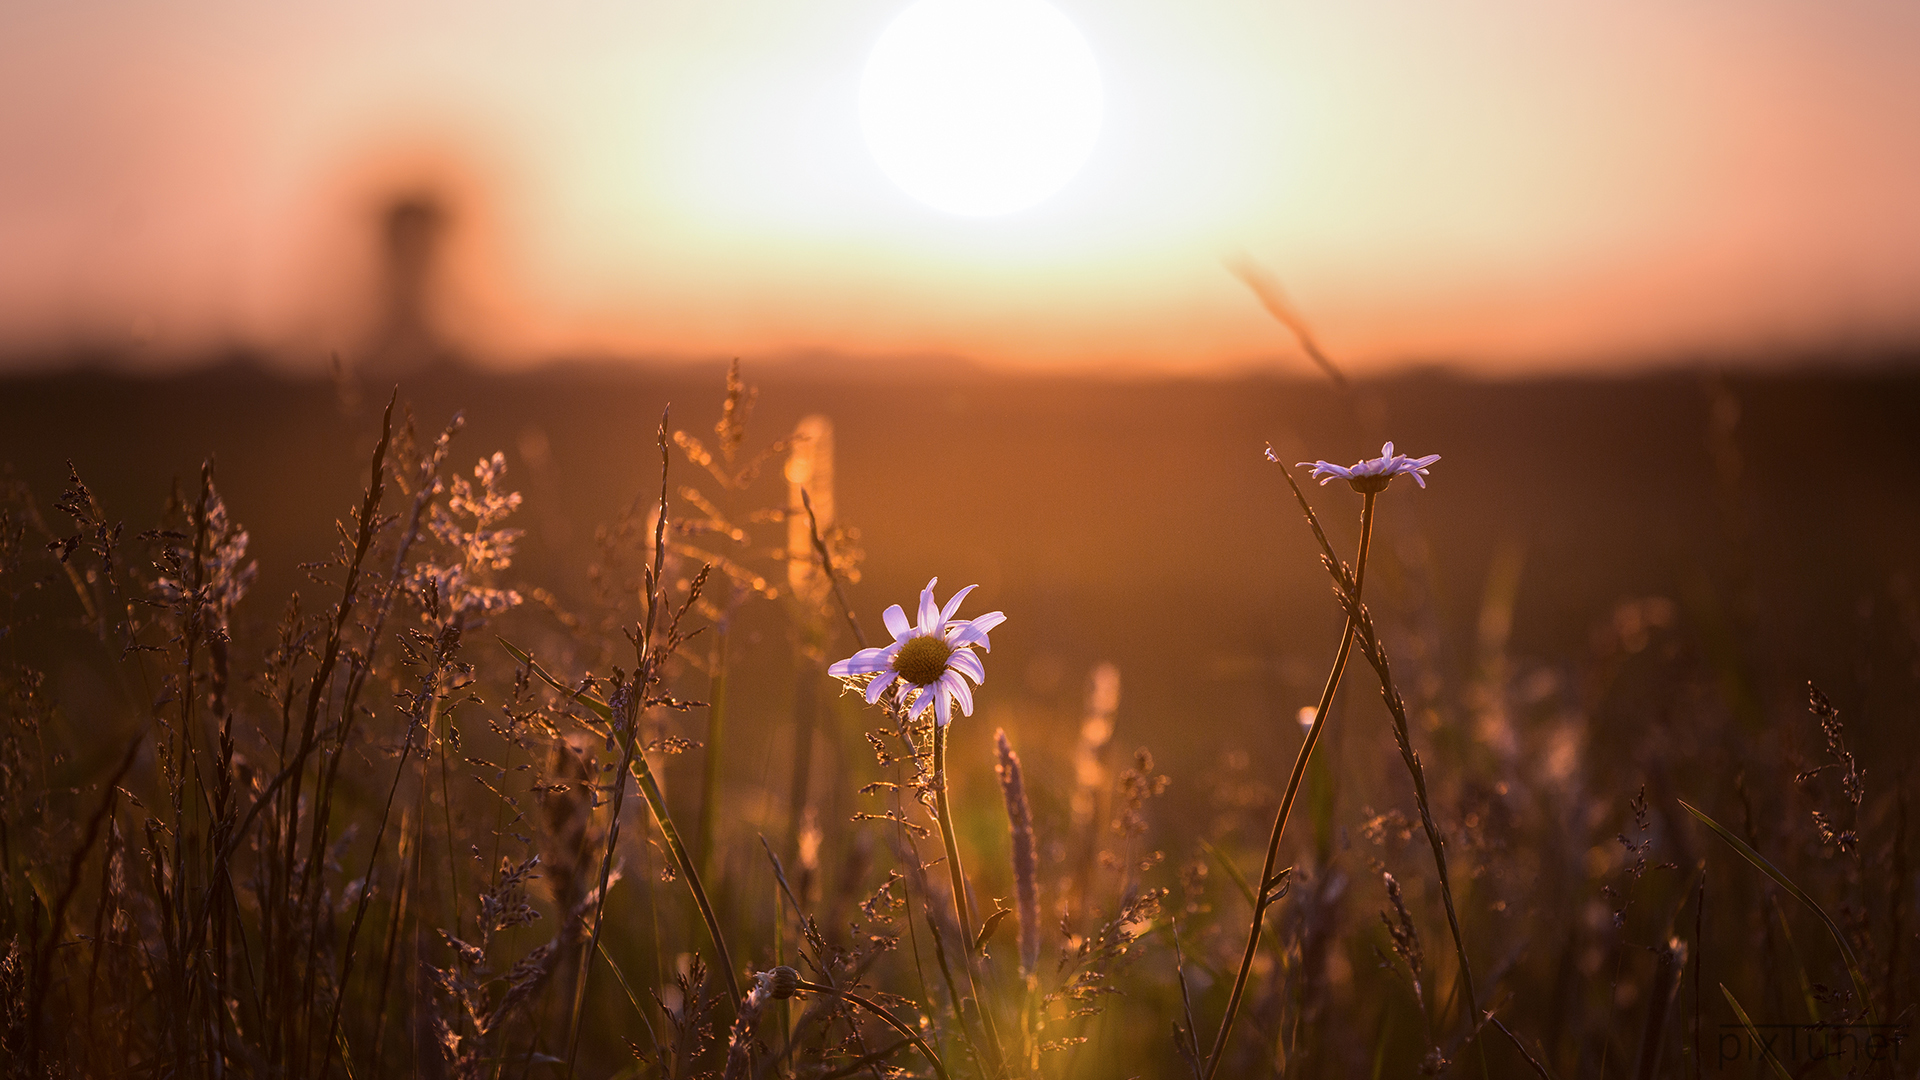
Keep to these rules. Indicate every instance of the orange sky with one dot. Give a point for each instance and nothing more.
(1499, 184)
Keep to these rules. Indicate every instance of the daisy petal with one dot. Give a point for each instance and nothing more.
(958, 687)
(953, 605)
(1373, 474)
(896, 621)
(864, 662)
(974, 631)
(989, 621)
(964, 662)
(929, 611)
(956, 678)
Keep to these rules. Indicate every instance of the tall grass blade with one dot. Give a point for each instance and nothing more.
(1753, 1033)
(632, 999)
(1760, 863)
(1233, 872)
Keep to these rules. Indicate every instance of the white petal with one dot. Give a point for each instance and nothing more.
(968, 664)
(974, 631)
(876, 688)
(988, 621)
(864, 662)
(896, 621)
(958, 687)
(929, 611)
(953, 605)
(942, 707)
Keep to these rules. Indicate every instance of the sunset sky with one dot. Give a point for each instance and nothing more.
(1501, 185)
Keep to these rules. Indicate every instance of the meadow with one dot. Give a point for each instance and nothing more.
(484, 727)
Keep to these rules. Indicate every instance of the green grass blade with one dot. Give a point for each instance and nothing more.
(650, 790)
(595, 705)
(1805, 981)
(632, 998)
(1246, 889)
(1380, 1043)
(1760, 862)
(1753, 1034)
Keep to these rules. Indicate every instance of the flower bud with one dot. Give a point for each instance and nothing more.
(782, 982)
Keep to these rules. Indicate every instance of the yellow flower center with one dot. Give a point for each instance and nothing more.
(922, 660)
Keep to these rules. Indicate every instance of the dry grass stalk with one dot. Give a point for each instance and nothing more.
(1020, 824)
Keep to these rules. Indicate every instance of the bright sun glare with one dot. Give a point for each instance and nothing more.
(981, 107)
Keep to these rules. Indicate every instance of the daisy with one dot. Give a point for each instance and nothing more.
(1374, 474)
(932, 661)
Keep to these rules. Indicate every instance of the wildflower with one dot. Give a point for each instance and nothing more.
(1374, 474)
(932, 661)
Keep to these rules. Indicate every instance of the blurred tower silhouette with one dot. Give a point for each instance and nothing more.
(412, 228)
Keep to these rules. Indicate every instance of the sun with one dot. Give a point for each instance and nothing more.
(981, 107)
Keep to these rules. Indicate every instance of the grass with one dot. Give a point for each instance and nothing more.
(389, 832)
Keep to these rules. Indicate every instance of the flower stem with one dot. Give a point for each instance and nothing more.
(1265, 895)
(962, 909)
(1396, 707)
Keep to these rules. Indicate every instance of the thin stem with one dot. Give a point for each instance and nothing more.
(1266, 895)
(962, 908)
(1376, 655)
(933, 1059)
(650, 790)
(805, 710)
(716, 730)
(658, 804)
(1347, 589)
(623, 714)
(826, 563)
(445, 645)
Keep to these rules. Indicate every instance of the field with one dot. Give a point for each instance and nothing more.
(335, 749)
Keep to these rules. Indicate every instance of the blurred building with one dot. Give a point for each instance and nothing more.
(412, 236)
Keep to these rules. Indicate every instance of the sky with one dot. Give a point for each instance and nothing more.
(1497, 185)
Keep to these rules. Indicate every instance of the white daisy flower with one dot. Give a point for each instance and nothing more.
(931, 661)
(1373, 474)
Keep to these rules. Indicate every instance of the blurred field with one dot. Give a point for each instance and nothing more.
(1608, 585)
(1133, 522)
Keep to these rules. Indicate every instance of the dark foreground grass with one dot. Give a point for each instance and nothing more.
(436, 813)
